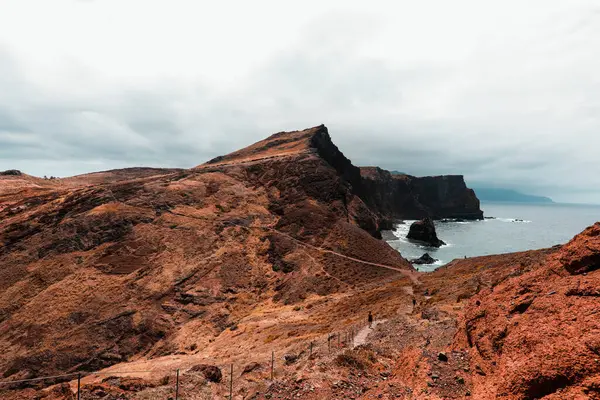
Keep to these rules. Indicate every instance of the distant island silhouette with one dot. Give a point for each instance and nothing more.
(508, 195)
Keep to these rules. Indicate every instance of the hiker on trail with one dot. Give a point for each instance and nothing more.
(370, 319)
(414, 302)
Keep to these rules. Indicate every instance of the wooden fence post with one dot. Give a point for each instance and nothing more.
(272, 364)
(177, 386)
(79, 386)
(231, 383)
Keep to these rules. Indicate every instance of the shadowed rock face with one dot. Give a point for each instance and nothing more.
(409, 197)
(395, 197)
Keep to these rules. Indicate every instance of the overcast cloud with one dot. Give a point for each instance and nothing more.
(506, 93)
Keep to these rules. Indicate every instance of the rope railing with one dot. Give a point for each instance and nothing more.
(37, 379)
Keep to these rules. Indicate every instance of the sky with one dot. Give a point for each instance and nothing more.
(506, 93)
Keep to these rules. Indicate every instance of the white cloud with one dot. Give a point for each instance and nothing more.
(504, 92)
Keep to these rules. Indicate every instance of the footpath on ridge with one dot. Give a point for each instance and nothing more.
(411, 275)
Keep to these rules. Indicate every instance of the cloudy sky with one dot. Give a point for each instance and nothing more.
(505, 92)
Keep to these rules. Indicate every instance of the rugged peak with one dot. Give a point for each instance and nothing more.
(392, 196)
(277, 145)
(304, 136)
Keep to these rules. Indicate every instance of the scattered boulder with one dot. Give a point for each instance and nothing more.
(424, 231)
(442, 357)
(251, 367)
(424, 259)
(210, 372)
(61, 391)
(290, 358)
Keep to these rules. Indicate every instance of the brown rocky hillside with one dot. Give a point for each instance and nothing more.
(106, 268)
(126, 276)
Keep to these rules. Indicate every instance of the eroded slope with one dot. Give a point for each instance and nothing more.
(120, 270)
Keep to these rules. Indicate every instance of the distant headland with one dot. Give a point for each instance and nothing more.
(508, 195)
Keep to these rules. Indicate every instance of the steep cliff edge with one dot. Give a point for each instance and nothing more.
(410, 197)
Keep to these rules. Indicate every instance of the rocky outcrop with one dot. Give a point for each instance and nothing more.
(582, 255)
(408, 197)
(424, 231)
(11, 172)
(397, 196)
(424, 259)
(210, 372)
(542, 317)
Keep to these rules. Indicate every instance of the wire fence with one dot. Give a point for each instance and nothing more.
(276, 367)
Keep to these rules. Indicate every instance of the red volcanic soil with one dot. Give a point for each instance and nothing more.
(277, 145)
(261, 253)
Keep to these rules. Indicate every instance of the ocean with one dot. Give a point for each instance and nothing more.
(515, 227)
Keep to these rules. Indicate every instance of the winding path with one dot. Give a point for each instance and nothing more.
(361, 337)
(411, 275)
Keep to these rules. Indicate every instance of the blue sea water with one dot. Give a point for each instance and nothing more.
(516, 227)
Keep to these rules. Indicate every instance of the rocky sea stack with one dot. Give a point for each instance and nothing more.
(424, 231)
(424, 259)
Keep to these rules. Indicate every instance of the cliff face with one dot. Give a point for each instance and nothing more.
(400, 196)
(409, 197)
(446, 197)
(327, 150)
